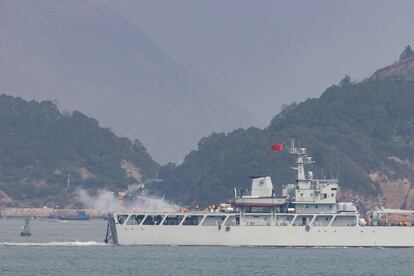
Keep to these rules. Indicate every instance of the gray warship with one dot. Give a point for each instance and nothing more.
(306, 214)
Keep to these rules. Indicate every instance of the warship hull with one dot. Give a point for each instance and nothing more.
(362, 236)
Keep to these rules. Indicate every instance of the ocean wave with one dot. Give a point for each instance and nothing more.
(54, 243)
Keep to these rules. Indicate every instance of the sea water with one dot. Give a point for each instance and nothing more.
(77, 248)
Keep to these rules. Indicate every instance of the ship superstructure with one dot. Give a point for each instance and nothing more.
(306, 214)
(309, 201)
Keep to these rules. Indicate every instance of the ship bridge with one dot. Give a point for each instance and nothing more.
(307, 195)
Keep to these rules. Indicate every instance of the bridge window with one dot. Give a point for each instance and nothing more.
(344, 221)
(135, 219)
(283, 220)
(322, 221)
(192, 220)
(256, 220)
(302, 220)
(121, 218)
(233, 221)
(213, 220)
(153, 220)
(173, 220)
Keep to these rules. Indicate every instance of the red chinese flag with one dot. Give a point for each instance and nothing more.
(277, 147)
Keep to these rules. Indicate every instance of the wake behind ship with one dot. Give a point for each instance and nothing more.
(306, 214)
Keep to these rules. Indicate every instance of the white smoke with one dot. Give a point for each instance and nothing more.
(106, 201)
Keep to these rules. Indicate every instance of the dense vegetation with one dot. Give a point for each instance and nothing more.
(40, 146)
(365, 127)
(359, 125)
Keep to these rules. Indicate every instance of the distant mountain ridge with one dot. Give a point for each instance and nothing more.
(90, 59)
(41, 149)
(368, 127)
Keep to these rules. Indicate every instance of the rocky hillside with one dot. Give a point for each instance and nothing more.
(41, 148)
(367, 127)
(403, 68)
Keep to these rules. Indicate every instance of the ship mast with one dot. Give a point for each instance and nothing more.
(301, 160)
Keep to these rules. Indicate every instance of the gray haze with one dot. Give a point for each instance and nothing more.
(91, 59)
(169, 72)
(265, 53)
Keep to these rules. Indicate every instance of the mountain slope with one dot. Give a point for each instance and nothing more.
(90, 59)
(40, 147)
(368, 127)
(403, 68)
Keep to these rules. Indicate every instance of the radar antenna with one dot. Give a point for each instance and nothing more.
(301, 160)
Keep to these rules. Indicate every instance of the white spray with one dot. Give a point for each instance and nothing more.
(105, 201)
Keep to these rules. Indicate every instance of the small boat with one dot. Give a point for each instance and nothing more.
(80, 215)
(25, 229)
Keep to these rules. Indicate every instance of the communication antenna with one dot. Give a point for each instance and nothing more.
(292, 145)
(330, 168)
(338, 172)
(68, 186)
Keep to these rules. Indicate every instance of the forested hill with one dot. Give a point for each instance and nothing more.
(40, 146)
(92, 59)
(368, 127)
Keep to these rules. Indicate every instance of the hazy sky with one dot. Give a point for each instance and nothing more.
(266, 53)
(261, 53)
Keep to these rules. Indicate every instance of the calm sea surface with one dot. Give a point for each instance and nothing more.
(76, 248)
